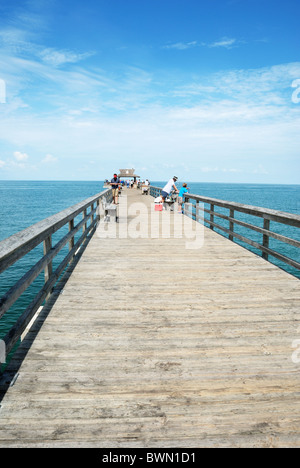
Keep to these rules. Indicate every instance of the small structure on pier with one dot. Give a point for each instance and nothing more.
(128, 174)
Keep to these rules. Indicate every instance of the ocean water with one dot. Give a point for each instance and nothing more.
(24, 203)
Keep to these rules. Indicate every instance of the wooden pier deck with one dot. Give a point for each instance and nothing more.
(155, 345)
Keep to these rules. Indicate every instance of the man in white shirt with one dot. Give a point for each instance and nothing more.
(145, 187)
(168, 188)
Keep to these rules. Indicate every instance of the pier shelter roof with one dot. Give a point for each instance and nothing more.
(128, 174)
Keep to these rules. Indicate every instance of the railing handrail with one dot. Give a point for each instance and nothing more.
(266, 214)
(13, 247)
(18, 245)
(273, 215)
(154, 187)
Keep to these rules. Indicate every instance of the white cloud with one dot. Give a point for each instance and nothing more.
(14, 37)
(49, 159)
(260, 170)
(20, 157)
(219, 169)
(20, 160)
(59, 57)
(224, 42)
(181, 45)
(209, 169)
(2, 163)
(219, 122)
(267, 89)
(24, 42)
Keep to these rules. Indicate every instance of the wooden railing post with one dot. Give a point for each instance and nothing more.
(98, 210)
(212, 208)
(49, 268)
(84, 214)
(71, 242)
(197, 211)
(92, 214)
(231, 224)
(47, 248)
(266, 238)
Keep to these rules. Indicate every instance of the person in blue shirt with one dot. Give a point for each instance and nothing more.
(184, 189)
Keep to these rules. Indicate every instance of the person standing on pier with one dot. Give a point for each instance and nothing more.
(115, 183)
(183, 190)
(168, 188)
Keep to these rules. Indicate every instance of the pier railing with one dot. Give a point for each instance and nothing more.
(223, 217)
(17, 246)
(155, 191)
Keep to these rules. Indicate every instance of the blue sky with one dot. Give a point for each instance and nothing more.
(207, 90)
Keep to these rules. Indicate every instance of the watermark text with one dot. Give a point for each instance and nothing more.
(2, 91)
(139, 221)
(296, 353)
(296, 93)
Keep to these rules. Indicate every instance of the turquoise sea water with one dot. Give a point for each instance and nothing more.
(24, 203)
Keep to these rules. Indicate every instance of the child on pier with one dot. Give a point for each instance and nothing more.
(182, 191)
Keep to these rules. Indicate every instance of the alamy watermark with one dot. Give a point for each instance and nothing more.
(141, 221)
(2, 92)
(2, 352)
(296, 93)
(296, 353)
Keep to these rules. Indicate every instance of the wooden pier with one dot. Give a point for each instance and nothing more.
(151, 344)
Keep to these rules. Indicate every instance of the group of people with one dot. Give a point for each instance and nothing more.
(168, 188)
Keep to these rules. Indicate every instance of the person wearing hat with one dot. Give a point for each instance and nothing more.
(168, 188)
(115, 182)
